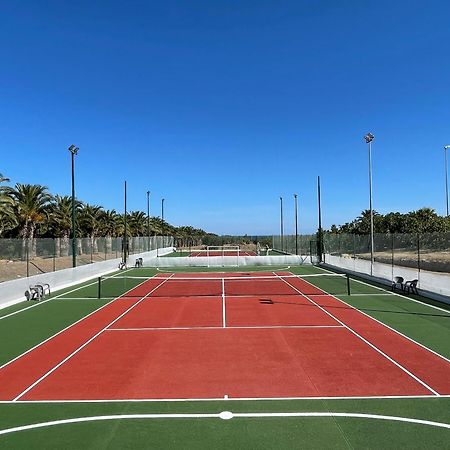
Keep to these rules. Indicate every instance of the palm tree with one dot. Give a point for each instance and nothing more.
(137, 221)
(30, 205)
(111, 226)
(8, 218)
(90, 223)
(60, 222)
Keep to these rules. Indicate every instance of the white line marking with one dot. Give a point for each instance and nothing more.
(224, 321)
(250, 327)
(87, 298)
(88, 341)
(382, 323)
(60, 296)
(61, 331)
(392, 293)
(366, 341)
(209, 399)
(241, 269)
(220, 416)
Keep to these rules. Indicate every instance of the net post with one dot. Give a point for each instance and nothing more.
(348, 284)
(99, 288)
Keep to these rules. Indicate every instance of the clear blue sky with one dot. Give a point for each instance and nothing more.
(220, 107)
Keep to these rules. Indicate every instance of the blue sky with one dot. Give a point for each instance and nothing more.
(221, 107)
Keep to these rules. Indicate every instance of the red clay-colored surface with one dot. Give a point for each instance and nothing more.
(235, 362)
(430, 368)
(219, 253)
(179, 312)
(17, 376)
(285, 311)
(205, 363)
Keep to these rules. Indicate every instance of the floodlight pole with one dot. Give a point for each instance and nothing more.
(148, 218)
(73, 151)
(281, 224)
(446, 147)
(296, 224)
(320, 246)
(162, 209)
(369, 137)
(125, 232)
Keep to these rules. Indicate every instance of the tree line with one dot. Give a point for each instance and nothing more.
(29, 211)
(423, 220)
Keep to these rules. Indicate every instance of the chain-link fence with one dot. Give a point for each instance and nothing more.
(425, 257)
(305, 244)
(26, 257)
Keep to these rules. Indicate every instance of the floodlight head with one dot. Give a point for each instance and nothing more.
(73, 149)
(295, 195)
(446, 147)
(369, 137)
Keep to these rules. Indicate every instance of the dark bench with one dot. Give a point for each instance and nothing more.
(411, 287)
(139, 262)
(398, 281)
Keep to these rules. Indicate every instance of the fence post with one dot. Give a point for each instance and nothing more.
(392, 250)
(28, 257)
(54, 254)
(418, 257)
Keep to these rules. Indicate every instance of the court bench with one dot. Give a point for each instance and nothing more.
(37, 291)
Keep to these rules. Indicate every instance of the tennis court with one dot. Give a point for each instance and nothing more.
(284, 349)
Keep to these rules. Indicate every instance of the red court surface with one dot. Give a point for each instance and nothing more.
(174, 343)
(219, 253)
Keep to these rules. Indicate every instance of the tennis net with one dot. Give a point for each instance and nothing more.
(174, 286)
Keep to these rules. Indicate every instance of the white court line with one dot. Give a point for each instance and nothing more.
(87, 298)
(257, 327)
(57, 296)
(64, 329)
(392, 293)
(231, 399)
(88, 341)
(382, 323)
(261, 269)
(224, 415)
(404, 369)
(224, 321)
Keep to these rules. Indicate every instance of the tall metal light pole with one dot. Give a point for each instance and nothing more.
(148, 219)
(320, 246)
(125, 233)
(369, 137)
(73, 151)
(296, 224)
(281, 224)
(446, 147)
(162, 209)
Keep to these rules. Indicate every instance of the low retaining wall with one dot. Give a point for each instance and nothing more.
(434, 285)
(222, 261)
(12, 292)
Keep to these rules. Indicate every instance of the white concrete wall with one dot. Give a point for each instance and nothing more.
(430, 282)
(218, 261)
(12, 292)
